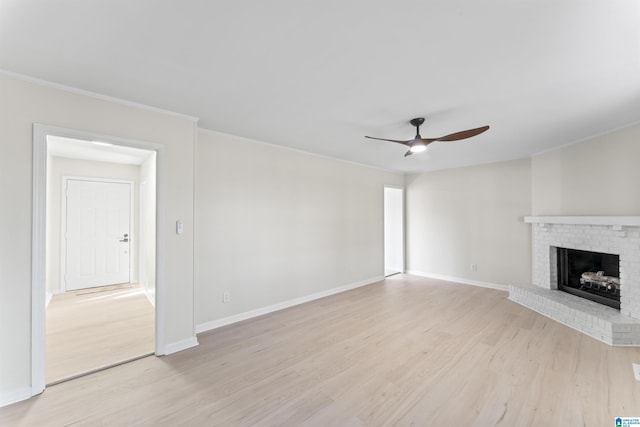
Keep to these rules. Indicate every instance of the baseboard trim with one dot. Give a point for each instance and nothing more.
(214, 324)
(49, 296)
(177, 346)
(14, 396)
(460, 280)
(151, 299)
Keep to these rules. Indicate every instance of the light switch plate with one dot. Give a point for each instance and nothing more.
(636, 371)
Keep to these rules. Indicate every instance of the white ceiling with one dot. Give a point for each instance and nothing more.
(318, 75)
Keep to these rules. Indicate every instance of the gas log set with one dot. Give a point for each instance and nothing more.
(591, 275)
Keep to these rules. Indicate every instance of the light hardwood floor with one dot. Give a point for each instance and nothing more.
(405, 351)
(92, 328)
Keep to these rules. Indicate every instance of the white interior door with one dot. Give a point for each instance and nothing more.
(97, 233)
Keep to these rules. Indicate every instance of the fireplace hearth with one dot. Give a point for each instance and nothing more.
(591, 275)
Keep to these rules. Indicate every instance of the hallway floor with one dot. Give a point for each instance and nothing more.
(92, 328)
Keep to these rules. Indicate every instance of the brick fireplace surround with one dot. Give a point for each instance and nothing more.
(613, 235)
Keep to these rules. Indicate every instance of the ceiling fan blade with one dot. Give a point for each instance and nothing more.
(390, 140)
(461, 135)
(408, 153)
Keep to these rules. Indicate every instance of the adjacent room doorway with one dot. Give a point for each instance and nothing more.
(94, 254)
(393, 230)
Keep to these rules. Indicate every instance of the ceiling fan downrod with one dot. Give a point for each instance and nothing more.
(417, 145)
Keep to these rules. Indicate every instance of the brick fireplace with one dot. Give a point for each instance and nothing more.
(618, 236)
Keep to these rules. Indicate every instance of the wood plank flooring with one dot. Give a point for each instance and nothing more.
(97, 327)
(405, 351)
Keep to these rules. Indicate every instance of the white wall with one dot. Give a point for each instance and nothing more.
(59, 167)
(471, 215)
(596, 177)
(275, 224)
(393, 230)
(24, 103)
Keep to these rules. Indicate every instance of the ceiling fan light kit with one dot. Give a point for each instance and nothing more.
(419, 144)
(418, 147)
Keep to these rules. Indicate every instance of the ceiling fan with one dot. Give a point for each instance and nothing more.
(419, 143)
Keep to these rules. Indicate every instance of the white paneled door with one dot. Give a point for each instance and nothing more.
(97, 233)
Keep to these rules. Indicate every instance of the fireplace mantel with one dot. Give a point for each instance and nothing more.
(628, 221)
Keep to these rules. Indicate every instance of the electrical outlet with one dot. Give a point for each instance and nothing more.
(226, 297)
(474, 267)
(636, 371)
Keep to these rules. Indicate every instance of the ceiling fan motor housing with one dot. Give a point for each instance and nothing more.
(418, 121)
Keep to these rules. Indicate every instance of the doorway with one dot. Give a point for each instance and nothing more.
(393, 231)
(88, 252)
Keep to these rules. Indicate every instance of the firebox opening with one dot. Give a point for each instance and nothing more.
(590, 275)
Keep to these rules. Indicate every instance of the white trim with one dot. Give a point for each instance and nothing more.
(142, 236)
(460, 280)
(150, 298)
(160, 285)
(38, 248)
(214, 324)
(63, 223)
(95, 95)
(13, 396)
(585, 220)
(175, 347)
(194, 251)
(38, 260)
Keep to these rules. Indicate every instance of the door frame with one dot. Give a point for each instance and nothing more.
(404, 228)
(63, 223)
(38, 241)
(141, 271)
